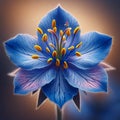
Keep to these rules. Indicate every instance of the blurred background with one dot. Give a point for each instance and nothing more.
(23, 16)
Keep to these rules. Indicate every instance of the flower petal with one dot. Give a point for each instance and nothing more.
(62, 17)
(92, 80)
(14, 72)
(107, 67)
(29, 81)
(94, 49)
(21, 48)
(59, 91)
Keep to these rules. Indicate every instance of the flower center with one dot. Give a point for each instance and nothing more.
(58, 52)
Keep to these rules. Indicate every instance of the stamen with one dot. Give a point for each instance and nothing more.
(68, 31)
(78, 45)
(50, 31)
(40, 30)
(66, 24)
(65, 32)
(76, 30)
(71, 48)
(64, 43)
(57, 62)
(54, 54)
(63, 51)
(53, 23)
(63, 38)
(45, 37)
(37, 47)
(65, 65)
(78, 54)
(35, 56)
(49, 60)
(51, 45)
(55, 29)
(53, 32)
(47, 49)
(61, 33)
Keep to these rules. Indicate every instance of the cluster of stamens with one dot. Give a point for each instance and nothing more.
(59, 50)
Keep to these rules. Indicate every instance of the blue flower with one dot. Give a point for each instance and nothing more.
(60, 61)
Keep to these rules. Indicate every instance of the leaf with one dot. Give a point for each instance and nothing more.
(85, 92)
(41, 98)
(34, 91)
(76, 100)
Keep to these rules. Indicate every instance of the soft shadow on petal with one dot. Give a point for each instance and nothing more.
(94, 49)
(59, 91)
(92, 80)
(21, 48)
(29, 81)
(61, 16)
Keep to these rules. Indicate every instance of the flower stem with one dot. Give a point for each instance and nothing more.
(59, 113)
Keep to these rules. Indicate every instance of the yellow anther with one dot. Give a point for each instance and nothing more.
(63, 38)
(68, 32)
(57, 62)
(54, 54)
(78, 54)
(55, 29)
(51, 45)
(65, 65)
(78, 45)
(37, 47)
(44, 37)
(47, 49)
(49, 60)
(71, 48)
(61, 33)
(53, 23)
(76, 30)
(40, 30)
(35, 56)
(63, 51)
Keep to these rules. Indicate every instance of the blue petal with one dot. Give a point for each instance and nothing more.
(21, 48)
(28, 81)
(94, 49)
(59, 91)
(92, 80)
(61, 16)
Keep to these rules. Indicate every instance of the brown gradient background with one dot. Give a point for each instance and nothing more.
(23, 16)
